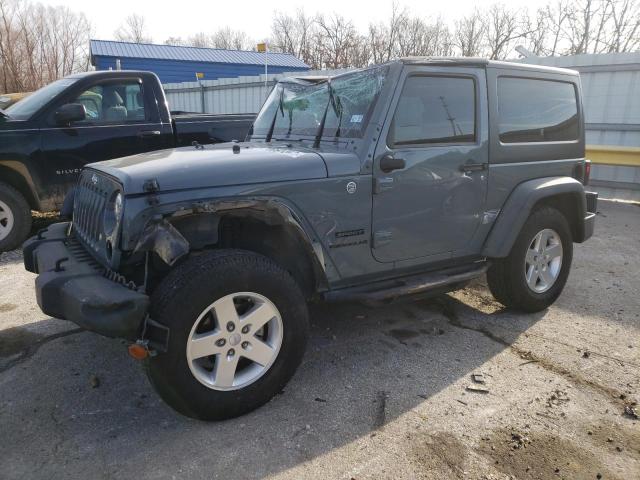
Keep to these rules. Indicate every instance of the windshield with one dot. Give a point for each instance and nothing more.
(31, 104)
(299, 106)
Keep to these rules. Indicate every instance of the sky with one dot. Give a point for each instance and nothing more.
(184, 18)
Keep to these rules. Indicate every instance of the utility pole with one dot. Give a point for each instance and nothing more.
(199, 77)
(263, 47)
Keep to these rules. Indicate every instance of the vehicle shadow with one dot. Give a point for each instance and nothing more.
(79, 405)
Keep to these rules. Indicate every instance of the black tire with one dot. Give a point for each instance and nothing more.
(506, 277)
(186, 292)
(21, 213)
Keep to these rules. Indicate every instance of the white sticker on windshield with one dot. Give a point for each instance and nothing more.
(356, 118)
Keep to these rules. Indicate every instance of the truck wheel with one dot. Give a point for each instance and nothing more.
(533, 275)
(238, 330)
(15, 218)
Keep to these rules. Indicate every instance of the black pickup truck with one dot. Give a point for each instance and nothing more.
(48, 137)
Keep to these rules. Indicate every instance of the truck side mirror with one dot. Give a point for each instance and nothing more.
(71, 112)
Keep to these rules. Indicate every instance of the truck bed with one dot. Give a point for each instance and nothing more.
(210, 128)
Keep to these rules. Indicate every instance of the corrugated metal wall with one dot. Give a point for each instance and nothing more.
(244, 94)
(611, 98)
(227, 95)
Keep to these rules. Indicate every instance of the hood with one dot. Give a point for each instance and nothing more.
(214, 166)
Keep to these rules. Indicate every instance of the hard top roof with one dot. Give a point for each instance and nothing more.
(483, 62)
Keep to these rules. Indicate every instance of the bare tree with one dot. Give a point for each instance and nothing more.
(502, 27)
(559, 28)
(538, 33)
(385, 38)
(336, 37)
(40, 44)
(200, 40)
(625, 32)
(230, 39)
(417, 37)
(293, 34)
(176, 41)
(469, 33)
(134, 29)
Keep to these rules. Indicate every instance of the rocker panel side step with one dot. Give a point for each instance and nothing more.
(390, 290)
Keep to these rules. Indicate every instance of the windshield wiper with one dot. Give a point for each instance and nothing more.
(275, 116)
(330, 103)
(339, 112)
(4, 114)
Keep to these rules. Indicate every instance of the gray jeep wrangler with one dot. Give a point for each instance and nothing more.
(409, 178)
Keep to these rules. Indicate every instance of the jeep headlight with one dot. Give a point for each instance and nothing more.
(113, 213)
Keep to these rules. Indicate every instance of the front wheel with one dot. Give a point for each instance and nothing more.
(15, 218)
(533, 275)
(238, 329)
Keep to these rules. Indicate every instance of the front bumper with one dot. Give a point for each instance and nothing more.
(71, 286)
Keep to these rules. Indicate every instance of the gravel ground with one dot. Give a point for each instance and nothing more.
(383, 393)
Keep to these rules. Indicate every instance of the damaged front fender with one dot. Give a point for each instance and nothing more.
(164, 239)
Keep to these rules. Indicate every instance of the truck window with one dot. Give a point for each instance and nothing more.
(113, 103)
(24, 109)
(532, 110)
(434, 110)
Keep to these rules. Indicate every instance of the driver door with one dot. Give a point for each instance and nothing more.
(430, 175)
(119, 122)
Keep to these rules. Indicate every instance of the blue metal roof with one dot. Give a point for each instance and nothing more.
(108, 48)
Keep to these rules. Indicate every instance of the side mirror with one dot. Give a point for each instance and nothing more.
(71, 112)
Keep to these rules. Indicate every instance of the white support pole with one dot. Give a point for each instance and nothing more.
(266, 62)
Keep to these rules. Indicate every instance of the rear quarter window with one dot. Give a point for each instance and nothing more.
(534, 110)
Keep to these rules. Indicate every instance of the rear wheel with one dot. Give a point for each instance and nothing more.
(238, 329)
(15, 218)
(534, 274)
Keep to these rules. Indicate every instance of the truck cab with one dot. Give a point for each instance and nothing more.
(404, 179)
(49, 136)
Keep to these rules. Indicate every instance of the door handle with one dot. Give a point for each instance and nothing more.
(472, 167)
(389, 163)
(149, 133)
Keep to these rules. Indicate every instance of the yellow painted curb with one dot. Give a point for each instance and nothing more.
(612, 155)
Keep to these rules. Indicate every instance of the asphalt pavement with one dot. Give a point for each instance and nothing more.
(453, 387)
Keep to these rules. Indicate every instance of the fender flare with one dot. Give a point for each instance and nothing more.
(271, 210)
(521, 203)
(23, 181)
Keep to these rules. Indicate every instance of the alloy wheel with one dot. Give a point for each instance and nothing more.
(543, 260)
(234, 341)
(6, 220)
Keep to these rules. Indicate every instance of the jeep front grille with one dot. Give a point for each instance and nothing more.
(91, 195)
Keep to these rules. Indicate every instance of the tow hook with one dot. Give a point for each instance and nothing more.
(140, 350)
(153, 339)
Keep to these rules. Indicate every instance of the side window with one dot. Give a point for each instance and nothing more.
(435, 110)
(113, 103)
(531, 110)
